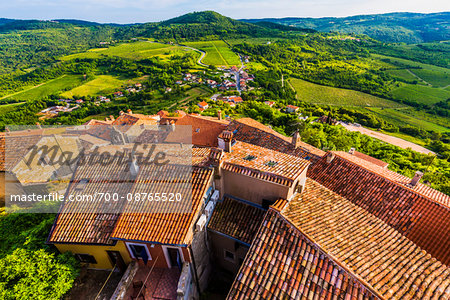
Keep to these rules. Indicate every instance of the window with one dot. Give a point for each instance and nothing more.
(271, 163)
(81, 185)
(228, 255)
(139, 251)
(86, 258)
(250, 157)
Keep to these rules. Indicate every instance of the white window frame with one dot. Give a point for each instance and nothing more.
(137, 244)
(167, 257)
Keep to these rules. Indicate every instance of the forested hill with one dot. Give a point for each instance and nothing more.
(391, 27)
(33, 43)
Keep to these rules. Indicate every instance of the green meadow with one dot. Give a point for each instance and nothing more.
(320, 94)
(136, 50)
(217, 53)
(101, 84)
(54, 86)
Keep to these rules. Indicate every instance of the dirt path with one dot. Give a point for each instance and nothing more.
(388, 139)
(415, 75)
(29, 89)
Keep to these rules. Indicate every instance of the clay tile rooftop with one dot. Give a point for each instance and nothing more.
(371, 249)
(420, 213)
(237, 218)
(263, 163)
(253, 132)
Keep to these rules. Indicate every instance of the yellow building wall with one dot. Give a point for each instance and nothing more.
(99, 252)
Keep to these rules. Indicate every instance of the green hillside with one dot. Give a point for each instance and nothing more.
(390, 27)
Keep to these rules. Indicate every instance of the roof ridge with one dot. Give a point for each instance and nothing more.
(339, 153)
(331, 256)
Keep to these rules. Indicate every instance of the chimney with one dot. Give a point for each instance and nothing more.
(225, 140)
(121, 113)
(219, 114)
(416, 179)
(296, 139)
(172, 125)
(134, 168)
(330, 157)
(352, 151)
(129, 111)
(111, 117)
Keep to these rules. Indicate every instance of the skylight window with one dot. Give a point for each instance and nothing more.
(271, 163)
(250, 157)
(81, 185)
(197, 130)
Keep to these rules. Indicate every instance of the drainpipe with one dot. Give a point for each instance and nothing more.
(195, 268)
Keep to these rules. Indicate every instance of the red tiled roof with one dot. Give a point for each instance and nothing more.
(236, 219)
(158, 222)
(204, 130)
(84, 221)
(134, 119)
(253, 132)
(371, 159)
(14, 147)
(262, 163)
(283, 263)
(391, 263)
(421, 213)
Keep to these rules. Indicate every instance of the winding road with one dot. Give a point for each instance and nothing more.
(203, 53)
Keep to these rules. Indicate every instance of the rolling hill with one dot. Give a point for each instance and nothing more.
(391, 27)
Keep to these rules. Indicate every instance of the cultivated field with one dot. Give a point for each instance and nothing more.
(54, 86)
(409, 116)
(217, 53)
(319, 94)
(136, 50)
(420, 93)
(101, 84)
(6, 108)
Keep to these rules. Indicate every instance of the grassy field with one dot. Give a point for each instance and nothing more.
(402, 74)
(6, 108)
(54, 86)
(410, 64)
(137, 51)
(409, 116)
(101, 84)
(217, 53)
(435, 78)
(319, 94)
(420, 93)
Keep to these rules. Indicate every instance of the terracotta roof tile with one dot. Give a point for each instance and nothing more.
(421, 214)
(83, 221)
(204, 131)
(367, 246)
(253, 132)
(282, 263)
(263, 163)
(237, 219)
(158, 222)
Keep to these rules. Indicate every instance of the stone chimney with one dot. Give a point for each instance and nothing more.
(416, 179)
(352, 151)
(330, 157)
(219, 114)
(225, 140)
(133, 166)
(296, 139)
